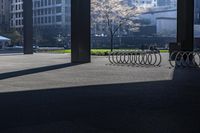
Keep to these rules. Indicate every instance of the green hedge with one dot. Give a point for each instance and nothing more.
(98, 52)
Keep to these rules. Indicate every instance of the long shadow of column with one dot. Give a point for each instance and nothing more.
(13, 74)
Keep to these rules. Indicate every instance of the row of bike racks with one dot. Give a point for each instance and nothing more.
(185, 59)
(136, 57)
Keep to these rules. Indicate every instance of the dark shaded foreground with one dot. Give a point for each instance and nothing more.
(149, 107)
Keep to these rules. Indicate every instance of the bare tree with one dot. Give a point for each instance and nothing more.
(113, 14)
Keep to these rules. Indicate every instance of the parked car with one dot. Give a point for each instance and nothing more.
(35, 46)
(18, 46)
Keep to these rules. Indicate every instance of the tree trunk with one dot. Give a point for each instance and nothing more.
(111, 43)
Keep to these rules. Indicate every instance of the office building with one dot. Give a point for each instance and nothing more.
(16, 10)
(51, 13)
(46, 14)
(166, 2)
(197, 12)
(4, 14)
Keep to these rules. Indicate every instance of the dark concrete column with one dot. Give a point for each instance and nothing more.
(80, 31)
(28, 26)
(185, 24)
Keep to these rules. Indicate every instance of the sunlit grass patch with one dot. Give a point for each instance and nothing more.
(99, 52)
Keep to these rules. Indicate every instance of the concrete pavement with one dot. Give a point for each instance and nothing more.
(42, 71)
(44, 93)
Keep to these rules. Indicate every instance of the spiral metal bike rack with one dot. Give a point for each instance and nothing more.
(136, 57)
(185, 59)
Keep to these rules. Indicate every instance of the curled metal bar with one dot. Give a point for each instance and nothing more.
(185, 59)
(136, 57)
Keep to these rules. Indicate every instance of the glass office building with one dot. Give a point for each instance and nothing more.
(197, 12)
(4, 14)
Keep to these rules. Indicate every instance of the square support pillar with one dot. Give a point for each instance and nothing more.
(80, 31)
(28, 26)
(185, 24)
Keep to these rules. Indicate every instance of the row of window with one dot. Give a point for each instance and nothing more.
(47, 11)
(47, 20)
(16, 15)
(46, 2)
(16, 7)
(39, 20)
(18, 22)
(15, 1)
(40, 3)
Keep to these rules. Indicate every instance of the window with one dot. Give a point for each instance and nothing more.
(58, 1)
(58, 9)
(49, 2)
(58, 18)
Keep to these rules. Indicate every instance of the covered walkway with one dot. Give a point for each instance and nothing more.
(43, 93)
(47, 94)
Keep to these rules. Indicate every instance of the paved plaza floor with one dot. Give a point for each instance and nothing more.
(45, 93)
(45, 71)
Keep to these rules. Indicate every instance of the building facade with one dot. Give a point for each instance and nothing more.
(51, 13)
(16, 18)
(46, 13)
(197, 12)
(162, 19)
(4, 14)
(166, 2)
(50, 18)
(153, 3)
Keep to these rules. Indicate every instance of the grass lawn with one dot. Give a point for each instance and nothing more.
(100, 52)
(164, 51)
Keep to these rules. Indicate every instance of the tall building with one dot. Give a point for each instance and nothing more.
(50, 18)
(152, 3)
(51, 13)
(129, 2)
(4, 14)
(16, 19)
(197, 12)
(46, 14)
(163, 2)
(166, 2)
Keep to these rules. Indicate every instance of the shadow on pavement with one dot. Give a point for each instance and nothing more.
(149, 107)
(8, 75)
